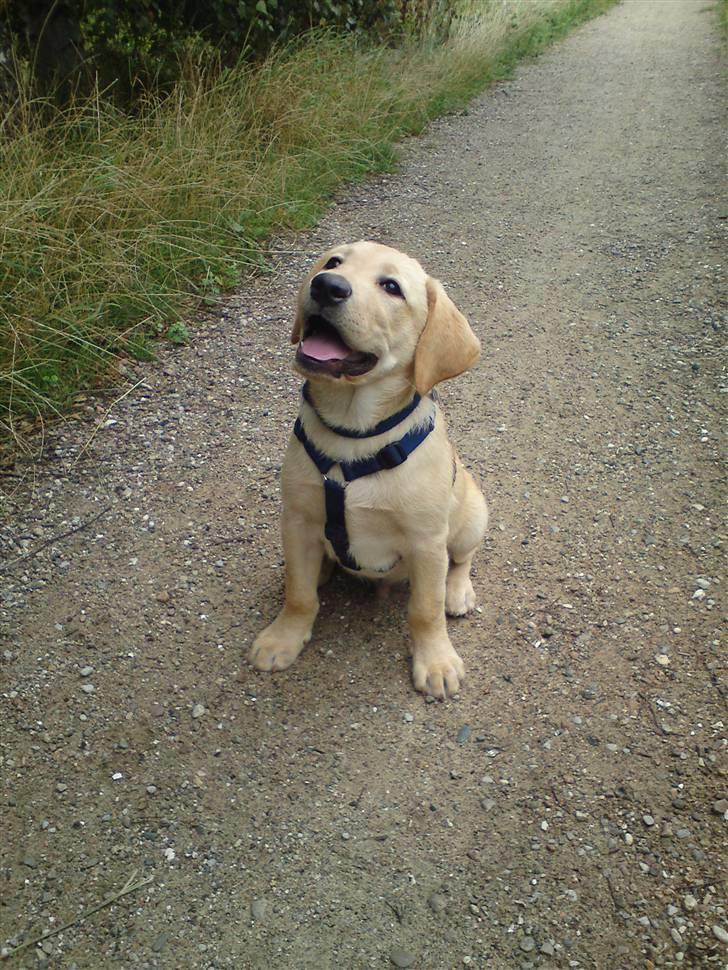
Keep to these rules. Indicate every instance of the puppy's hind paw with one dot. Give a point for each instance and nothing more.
(459, 597)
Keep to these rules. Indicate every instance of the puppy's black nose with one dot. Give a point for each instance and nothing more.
(329, 288)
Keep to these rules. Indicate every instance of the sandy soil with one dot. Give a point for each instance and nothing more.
(568, 810)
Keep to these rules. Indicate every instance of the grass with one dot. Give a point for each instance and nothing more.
(111, 223)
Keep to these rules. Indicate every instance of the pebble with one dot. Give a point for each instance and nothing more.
(60, 787)
(156, 710)
(198, 710)
(30, 862)
(401, 958)
(487, 804)
(463, 734)
(527, 944)
(720, 933)
(437, 903)
(628, 838)
(721, 806)
(160, 942)
(407, 717)
(547, 949)
(662, 659)
(86, 671)
(689, 901)
(677, 939)
(648, 820)
(258, 908)
(88, 688)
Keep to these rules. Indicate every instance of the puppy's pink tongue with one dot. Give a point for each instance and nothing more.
(325, 348)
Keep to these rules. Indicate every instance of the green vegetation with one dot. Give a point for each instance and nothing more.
(112, 221)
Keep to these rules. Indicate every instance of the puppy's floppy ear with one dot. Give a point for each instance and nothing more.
(298, 322)
(447, 346)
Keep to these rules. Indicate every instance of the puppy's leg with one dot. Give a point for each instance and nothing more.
(436, 668)
(326, 571)
(462, 546)
(280, 643)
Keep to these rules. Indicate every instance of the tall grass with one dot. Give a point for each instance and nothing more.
(110, 222)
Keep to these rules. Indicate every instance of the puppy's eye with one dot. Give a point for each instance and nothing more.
(392, 287)
(333, 263)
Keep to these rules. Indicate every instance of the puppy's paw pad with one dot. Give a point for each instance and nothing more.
(270, 653)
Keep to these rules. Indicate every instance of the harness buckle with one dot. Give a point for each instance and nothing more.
(391, 455)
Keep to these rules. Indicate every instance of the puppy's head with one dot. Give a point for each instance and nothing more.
(366, 310)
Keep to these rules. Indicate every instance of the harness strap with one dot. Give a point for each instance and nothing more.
(390, 456)
(386, 425)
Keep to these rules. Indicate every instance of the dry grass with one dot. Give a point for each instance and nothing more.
(110, 222)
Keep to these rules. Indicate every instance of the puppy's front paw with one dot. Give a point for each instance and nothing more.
(438, 671)
(273, 650)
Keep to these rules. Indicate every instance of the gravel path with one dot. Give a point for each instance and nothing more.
(569, 809)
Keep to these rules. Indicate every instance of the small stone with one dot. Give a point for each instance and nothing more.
(60, 787)
(151, 789)
(689, 901)
(662, 659)
(644, 921)
(86, 671)
(676, 938)
(258, 908)
(156, 710)
(487, 804)
(547, 948)
(437, 903)
(162, 597)
(648, 820)
(401, 958)
(407, 717)
(702, 583)
(30, 862)
(88, 688)
(463, 734)
(198, 710)
(683, 833)
(527, 944)
(346, 836)
(160, 942)
(588, 693)
(720, 933)
(628, 838)
(581, 816)
(721, 806)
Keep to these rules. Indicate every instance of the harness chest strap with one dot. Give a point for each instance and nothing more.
(390, 456)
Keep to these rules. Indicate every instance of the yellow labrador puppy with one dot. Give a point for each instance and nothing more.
(370, 479)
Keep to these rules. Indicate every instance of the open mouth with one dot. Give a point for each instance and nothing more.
(322, 351)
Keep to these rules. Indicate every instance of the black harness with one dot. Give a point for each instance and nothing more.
(390, 456)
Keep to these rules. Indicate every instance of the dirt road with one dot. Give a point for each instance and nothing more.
(566, 810)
